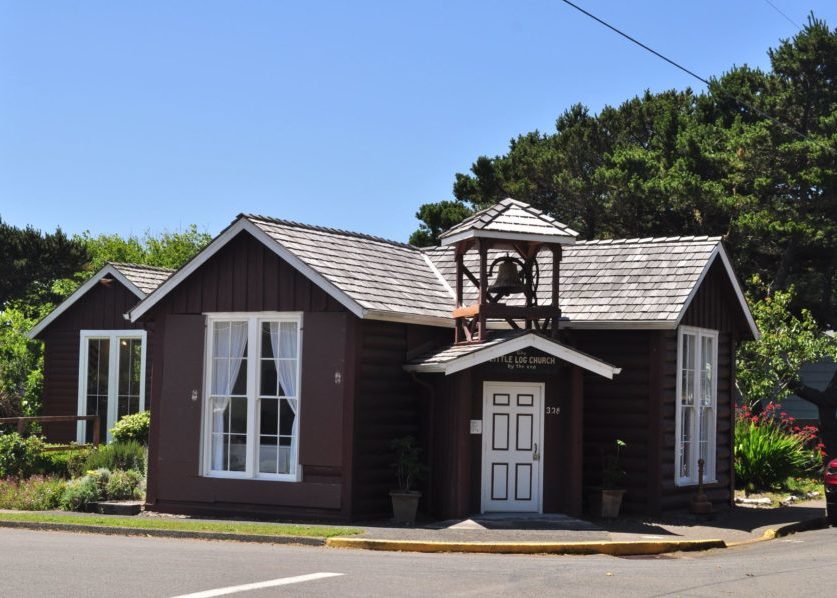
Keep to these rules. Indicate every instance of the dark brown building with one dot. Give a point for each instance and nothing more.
(284, 359)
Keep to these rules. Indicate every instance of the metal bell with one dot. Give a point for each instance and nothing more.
(508, 279)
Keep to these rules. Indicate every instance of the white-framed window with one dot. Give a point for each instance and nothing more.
(696, 404)
(251, 396)
(111, 378)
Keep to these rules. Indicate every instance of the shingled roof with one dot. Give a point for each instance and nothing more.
(625, 280)
(378, 274)
(145, 278)
(510, 219)
(640, 282)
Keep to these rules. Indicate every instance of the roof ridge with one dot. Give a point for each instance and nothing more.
(642, 240)
(327, 229)
(142, 266)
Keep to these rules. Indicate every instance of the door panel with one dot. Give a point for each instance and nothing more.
(512, 446)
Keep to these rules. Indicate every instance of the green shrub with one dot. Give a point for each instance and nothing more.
(19, 457)
(37, 493)
(80, 492)
(133, 427)
(76, 462)
(117, 455)
(124, 485)
(767, 454)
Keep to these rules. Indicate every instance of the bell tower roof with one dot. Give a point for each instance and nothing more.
(511, 220)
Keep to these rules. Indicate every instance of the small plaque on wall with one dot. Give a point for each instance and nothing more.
(476, 426)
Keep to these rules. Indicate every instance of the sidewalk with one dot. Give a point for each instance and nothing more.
(559, 533)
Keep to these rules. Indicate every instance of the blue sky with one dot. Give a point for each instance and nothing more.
(127, 116)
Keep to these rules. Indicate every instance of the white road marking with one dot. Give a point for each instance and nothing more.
(282, 581)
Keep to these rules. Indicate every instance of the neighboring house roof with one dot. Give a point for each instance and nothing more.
(139, 279)
(646, 283)
(510, 219)
(455, 358)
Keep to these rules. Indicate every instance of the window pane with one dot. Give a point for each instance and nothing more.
(685, 467)
(286, 417)
(238, 368)
(238, 452)
(707, 370)
(687, 391)
(267, 345)
(238, 415)
(288, 339)
(98, 362)
(221, 339)
(267, 375)
(268, 453)
(130, 360)
(269, 416)
(220, 414)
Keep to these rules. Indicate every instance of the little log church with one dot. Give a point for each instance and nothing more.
(281, 362)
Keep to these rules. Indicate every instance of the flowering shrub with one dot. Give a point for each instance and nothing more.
(34, 494)
(770, 448)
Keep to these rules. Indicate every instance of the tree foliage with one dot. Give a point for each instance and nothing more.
(768, 370)
(436, 218)
(31, 261)
(752, 158)
(21, 359)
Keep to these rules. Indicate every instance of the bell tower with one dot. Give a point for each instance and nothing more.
(501, 273)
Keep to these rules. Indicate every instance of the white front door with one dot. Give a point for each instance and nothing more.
(512, 445)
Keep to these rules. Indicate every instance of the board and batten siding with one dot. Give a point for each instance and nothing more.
(245, 276)
(101, 308)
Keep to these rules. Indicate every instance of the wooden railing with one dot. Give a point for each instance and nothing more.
(22, 421)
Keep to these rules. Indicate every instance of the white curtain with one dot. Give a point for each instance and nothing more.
(229, 344)
(283, 341)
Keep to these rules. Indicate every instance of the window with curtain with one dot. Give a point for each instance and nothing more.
(696, 404)
(253, 403)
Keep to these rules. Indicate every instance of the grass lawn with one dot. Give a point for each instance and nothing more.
(233, 527)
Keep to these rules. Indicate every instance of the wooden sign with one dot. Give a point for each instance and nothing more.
(526, 360)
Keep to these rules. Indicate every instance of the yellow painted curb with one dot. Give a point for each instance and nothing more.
(611, 548)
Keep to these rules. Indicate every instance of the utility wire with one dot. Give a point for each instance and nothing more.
(787, 18)
(698, 77)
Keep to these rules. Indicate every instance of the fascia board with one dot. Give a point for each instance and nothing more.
(80, 292)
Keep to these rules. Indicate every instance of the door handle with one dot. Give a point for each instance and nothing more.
(535, 454)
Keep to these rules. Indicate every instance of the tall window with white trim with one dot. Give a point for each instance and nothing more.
(697, 395)
(111, 378)
(252, 403)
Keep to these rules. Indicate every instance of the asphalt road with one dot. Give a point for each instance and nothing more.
(34, 563)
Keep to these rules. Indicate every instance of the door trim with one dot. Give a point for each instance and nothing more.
(485, 476)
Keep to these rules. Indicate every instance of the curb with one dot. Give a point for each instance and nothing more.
(785, 530)
(611, 548)
(162, 533)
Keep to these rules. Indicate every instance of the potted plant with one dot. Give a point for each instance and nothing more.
(613, 479)
(408, 471)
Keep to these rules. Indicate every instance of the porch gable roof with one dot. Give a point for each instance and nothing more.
(455, 358)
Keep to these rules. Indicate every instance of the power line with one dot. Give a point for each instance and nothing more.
(696, 76)
(787, 18)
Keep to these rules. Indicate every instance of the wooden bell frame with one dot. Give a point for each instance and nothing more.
(471, 320)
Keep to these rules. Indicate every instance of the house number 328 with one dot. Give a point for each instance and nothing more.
(553, 410)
